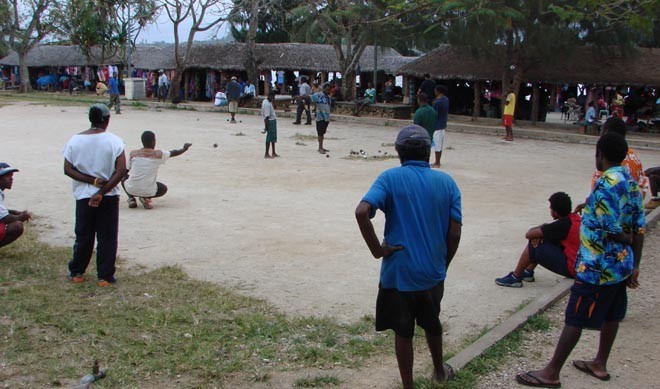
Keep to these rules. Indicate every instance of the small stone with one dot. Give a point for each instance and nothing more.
(215, 145)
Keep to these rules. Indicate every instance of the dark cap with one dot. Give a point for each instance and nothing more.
(413, 135)
(104, 108)
(5, 169)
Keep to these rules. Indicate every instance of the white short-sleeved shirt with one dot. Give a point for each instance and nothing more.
(143, 167)
(3, 210)
(267, 110)
(94, 155)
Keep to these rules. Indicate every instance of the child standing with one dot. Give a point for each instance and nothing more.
(270, 124)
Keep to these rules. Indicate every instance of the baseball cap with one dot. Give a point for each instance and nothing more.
(5, 169)
(104, 108)
(234, 78)
(413, 135)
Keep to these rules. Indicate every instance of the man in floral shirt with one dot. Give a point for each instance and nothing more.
(611, 240)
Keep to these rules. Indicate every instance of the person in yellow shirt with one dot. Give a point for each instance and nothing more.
(509, 110)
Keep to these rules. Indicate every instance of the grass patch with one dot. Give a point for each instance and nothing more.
(317, 382)
(154, 328)
(138, 104)
(490, 360)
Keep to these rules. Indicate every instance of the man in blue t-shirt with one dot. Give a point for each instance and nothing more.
(422, 210)
(441, 106)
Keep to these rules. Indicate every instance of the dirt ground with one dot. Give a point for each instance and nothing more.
(636, 352)
(283, 230)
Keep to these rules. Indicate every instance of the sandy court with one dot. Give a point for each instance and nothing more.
(283, 230)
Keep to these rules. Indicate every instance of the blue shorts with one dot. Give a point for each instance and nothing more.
(551, 256)
(589, 306)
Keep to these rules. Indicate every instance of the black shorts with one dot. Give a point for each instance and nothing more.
(398, 311)
(321, 127)
(551, 256)
(592, 305)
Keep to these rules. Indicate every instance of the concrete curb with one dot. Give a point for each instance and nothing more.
(515, 321)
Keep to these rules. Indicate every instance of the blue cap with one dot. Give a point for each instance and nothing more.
(413, 135)
(5, 168)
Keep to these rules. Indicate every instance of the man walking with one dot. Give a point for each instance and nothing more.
(11, 221)
(422, 210)
(143, 167)
(322, 101)
(612, 237)
(95, 161)
(113, 91)
(233, 95)
(441, 106)
(303, 101)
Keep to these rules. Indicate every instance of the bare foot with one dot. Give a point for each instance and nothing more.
(435, 165)
(267, 156)
(275, 155)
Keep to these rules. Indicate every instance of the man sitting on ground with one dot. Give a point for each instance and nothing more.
(11, 222)
(143, 167)
(553, 245)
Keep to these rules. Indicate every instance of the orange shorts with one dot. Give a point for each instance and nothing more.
(507, 120)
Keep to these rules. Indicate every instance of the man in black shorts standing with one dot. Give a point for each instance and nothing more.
(612, 237)
(322, 101)
(422, 210)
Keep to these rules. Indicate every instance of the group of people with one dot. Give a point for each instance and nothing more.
(432, 114)
(601, 249)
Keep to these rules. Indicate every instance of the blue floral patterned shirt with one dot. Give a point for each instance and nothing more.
(614, 206)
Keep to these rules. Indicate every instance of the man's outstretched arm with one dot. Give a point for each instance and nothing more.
(176, 153)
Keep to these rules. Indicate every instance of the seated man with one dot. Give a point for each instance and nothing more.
(11, 222)
(369, 98)
(249, 92)
(221, 99)
(653, 175)
(143, 167)
(552, 245)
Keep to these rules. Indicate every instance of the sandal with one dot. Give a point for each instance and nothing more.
(146, 202)
(132, 203)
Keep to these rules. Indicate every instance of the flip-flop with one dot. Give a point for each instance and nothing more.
(146, 203)
(529, 379)
(584, 367)
(450, 374)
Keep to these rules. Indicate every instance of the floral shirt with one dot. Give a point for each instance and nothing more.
(614, 206)
(634, 166)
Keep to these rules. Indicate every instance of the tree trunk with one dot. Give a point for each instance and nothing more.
(186, 85)
(25, 86)
(348, 85)
(175, 83)
(535, 103)
(476, 112)
(250, 59)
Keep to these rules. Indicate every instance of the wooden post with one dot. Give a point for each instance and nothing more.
(476, 112)
(405, 91)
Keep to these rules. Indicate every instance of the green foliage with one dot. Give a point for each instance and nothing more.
(274, 26)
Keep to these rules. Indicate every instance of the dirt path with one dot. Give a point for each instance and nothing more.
(283, 230)
(636, 353)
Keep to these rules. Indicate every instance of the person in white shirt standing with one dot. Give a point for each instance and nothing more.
(95, 160)
(143, 167)
(163, 86)
(270, 124)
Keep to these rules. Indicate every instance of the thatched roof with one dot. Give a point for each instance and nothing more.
(227, 56)
(50, 55)
(582, 65)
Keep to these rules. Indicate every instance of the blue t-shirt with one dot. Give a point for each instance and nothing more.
(322, 102)
(113, 88)
(418, 203)
(441, 106)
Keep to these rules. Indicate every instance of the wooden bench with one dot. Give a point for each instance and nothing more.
(389, 111)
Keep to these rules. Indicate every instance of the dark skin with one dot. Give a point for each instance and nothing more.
(438, 154)
(271, 98)
(103, 185)
(571, 335)
(326, 91)
(533, 234)
(404, 346)
(509, 130)
(15, 219)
